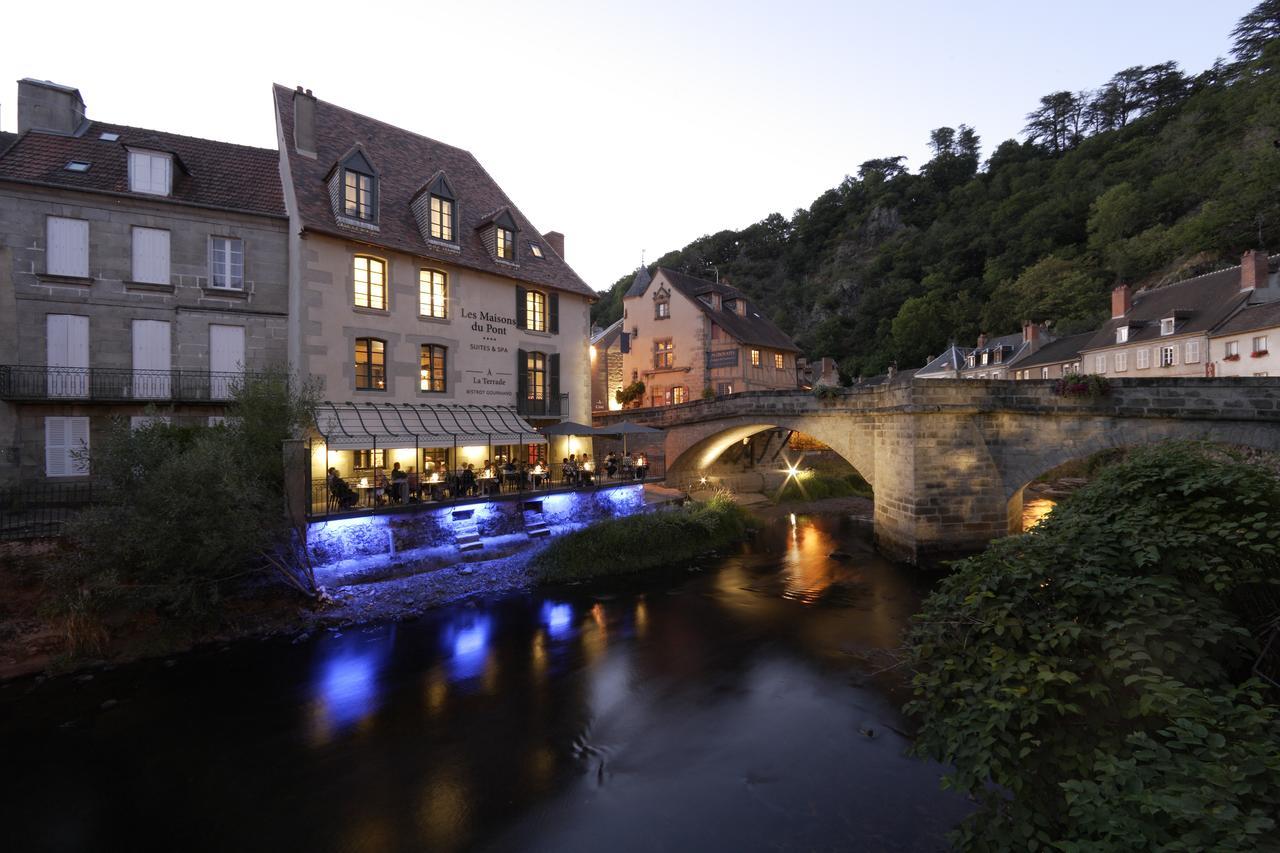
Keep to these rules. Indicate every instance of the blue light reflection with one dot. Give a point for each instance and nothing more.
(467, 638)
(558, 618)
(347, 684)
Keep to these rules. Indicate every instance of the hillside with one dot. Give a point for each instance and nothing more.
(1153, 176)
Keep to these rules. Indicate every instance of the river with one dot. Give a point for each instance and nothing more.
(731, 705)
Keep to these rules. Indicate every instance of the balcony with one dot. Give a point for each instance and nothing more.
(114, 385)
(547, 407)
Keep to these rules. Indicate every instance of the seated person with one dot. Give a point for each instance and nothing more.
(467, 481)
(342, 493)
(413, 484)
(399, 484)
(380, 485)
(611, 465)
(586, 474)
(567, 470)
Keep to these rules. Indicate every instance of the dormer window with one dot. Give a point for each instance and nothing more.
(1122, 335)
(359, 188)
(506, 246)
(970, 360)
(999, 355)
(1167, 326)
(441, 217)
(150, 172)
(985, 357)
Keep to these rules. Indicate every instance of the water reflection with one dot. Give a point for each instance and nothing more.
(1034, 511)
(346, 685)
(467, 637)
(809, 571)
(558, 617)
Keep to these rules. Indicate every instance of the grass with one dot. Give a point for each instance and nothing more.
(809, 486)
(625, 545)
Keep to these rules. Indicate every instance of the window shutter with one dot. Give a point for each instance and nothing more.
(553, 380)
(67, 247)
(553, 313)
(78, 440)
(151, 255)
(522, 321)
(522, 376)
(55, 447)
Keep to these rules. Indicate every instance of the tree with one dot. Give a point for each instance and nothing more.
(1256, 30)
(1056, 123)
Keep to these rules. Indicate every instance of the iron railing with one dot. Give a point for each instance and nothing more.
(115, 385)
(547, 407)
(33, 510)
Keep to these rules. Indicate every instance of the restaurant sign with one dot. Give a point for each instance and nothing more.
(722, 358)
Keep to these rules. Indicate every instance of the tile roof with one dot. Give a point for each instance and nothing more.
(209, 174)
(404, 162)
(1254, 317)
(6, 139)
(749, 328)
(1063, 349)
(1207, 300)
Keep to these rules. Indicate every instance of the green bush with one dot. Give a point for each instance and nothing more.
(1089, 683)
(810, 486)
(638, 542)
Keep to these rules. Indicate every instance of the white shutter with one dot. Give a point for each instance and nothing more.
(151, 359)
(151, 255)
(63, 439)
(67, 353)
(67, 247)
(226, 359)
(1193, 352)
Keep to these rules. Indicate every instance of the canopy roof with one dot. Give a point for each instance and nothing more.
(361, 426)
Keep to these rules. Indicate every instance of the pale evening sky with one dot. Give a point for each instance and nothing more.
(625, 125)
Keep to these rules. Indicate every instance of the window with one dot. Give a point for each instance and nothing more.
(777, 361)
(432, 373)
(679, 394)
(1122, 335)
(1260, 345)
(371, 365)
(1192, 354)
(77, 166)
(1262, 373)
(1166, 326)
(369, 459)
(506, 243)
(67, 247)
(226, 359)
(441, 218)
(151, 255)
(536, 376)
(755, 358)
(1122, 361)
(1144, 359)
(664, 354)
(67, 355)
(999, 355)
(370, 276)
(1099, 364)
(1044, 373)
(226, 263)
(536, 249)
(986, 356)
(1233, 349)
(661, 309)
(150, 172)
(724, 389)
(66, 444)
(433, 293)
(357, 195)
(970, 360)
(108, 136)
(1168, 356)
(535, 310)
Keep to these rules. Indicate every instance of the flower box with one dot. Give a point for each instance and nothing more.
(1258, 353)
(1232, 357)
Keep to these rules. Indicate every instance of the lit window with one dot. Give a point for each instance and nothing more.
(1260, 345)
(535, 310)
(724, 389)
(358, 195)
(370, 278)
(371, 365)
(226, 263)
(433, 293)
(368, 459)
(664, 354)
(777, 361)
(1167, 356)
(432, 375)
(150, 172)
(536, 376)
(1122, 334)
(506, 243)
(679, 394)
(1166, 326)
(77, 166)
(755, 358)
(1044, 373)
(536, 249)
(441, 218)
(985, 357)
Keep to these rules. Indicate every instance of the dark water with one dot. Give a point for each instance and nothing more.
(725, 709)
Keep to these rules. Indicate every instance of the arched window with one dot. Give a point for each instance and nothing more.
(369, 276)
(433, 293)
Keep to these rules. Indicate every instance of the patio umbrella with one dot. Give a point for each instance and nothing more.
(568, 428)
(624, 429)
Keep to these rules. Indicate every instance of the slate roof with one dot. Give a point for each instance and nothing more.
(208, 173)
(638, 284)
(750, 328)
(948, 362)
(6, 139)
(1056, 352)
(1254, 317)
(606, 336)
(1207, 300)
(404, 161)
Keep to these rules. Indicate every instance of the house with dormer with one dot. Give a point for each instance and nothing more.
(689, 337)
(441, 324)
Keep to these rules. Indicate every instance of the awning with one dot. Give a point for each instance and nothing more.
(364, 426)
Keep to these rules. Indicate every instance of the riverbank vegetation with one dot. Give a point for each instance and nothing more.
(1155, 174)
(814, 486)
(1092, 683)
(638, 542)
(191, 512)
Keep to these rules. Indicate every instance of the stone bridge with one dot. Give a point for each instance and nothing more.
(949, 459)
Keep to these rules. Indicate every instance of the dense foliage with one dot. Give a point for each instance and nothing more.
(645, 541)
(1154, 175)
(1089, 682)
(188, 509)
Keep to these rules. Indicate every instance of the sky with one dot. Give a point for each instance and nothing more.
(633, 128)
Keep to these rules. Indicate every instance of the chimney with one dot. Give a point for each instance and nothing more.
(556, 241)
(982, 340)
(1121, 301)
(304, 122)
(49, 107)
(1031, 333)
(1253, 269)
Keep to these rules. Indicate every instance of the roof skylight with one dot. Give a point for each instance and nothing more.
(536, 249)
(77, 166)
(107, 136)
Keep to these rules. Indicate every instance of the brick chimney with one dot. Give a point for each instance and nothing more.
(1121, 301)
(1253, 269)
(304, 122)
(49, 107)
(556, 241)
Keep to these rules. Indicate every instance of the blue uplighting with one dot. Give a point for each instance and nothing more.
(468, 639)
(558, 618)
(348, 683)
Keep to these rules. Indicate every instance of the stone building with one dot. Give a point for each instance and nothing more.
(1055, 359)
(690, 338)
(1248, 343)
(138, 269)
(992, 358)
(416, 282)
(608, 347)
